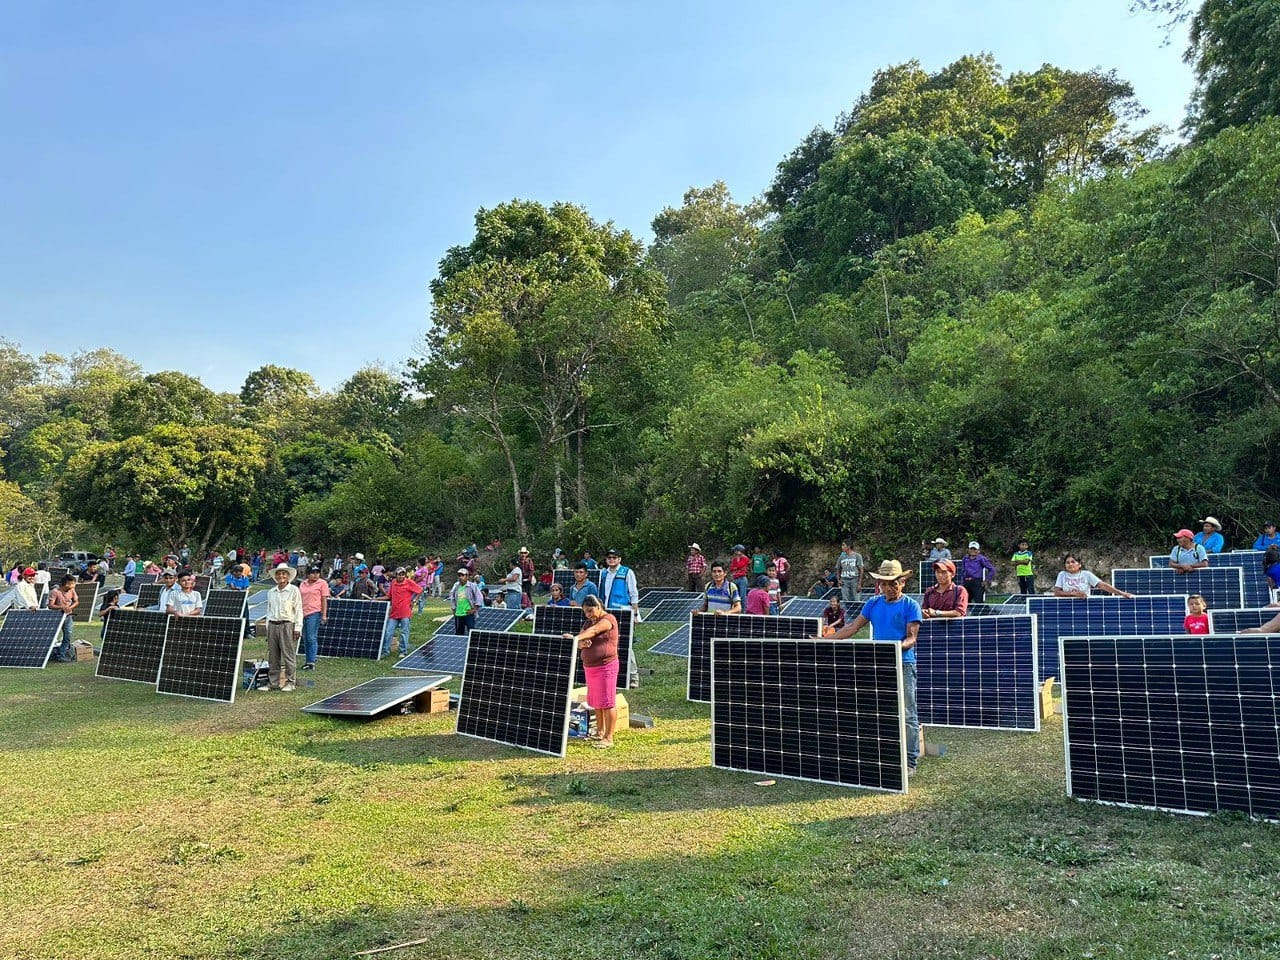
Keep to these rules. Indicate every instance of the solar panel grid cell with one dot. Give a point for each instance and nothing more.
(132, 646)
(978, 672)
(817, 710)
(201, 658)
(27, 638)
(1173, 722)
(518, 689)
(706, 626)
(557, 620)
(1101, 616)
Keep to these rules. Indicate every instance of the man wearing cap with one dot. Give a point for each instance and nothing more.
(695, 565)
(465, 599)
(528, 576)
(976, 572)
(946, 599)
(619, 590)
(1210, 536)
(1268, 537)
(850, 566)
(894, 616)
(1187, 555)
(401, 593)
(168, 584)
(939, 551)
(284, 628)
(315, 595)
(25, 596)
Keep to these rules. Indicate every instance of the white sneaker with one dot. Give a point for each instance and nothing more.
(288, 688)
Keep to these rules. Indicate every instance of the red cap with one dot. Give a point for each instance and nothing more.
(29, 572)
(944, 565)
(1184, 532)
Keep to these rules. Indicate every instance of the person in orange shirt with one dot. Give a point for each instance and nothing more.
(315, 611)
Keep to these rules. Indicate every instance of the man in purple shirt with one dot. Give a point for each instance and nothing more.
(976, 572)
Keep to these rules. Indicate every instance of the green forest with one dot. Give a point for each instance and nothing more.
(979, 302)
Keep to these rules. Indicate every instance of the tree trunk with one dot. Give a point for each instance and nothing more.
(581, 491)
(559, 493)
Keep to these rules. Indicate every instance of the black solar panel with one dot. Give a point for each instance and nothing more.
(674, 609)
(443, 653)
(1221, 587)
(1233, 621)
(374, 696)
(27, 637)
(564, 578)
(354, 629)
(88, 606)
(809, 607)
(557, 620)
(201, 658)
(1257, 590)
(132, 645)
(822, 710)
(978, 672)
(225, 603)
(705, 626)
(203, 584)
(675, 643)
(1180, 723)
(487, 618)
(517, 691)
(1100, 616)
(149, 594)
(140, 578)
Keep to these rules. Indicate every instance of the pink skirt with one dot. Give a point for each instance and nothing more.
(602, 685)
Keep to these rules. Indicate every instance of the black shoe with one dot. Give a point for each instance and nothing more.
(308, 666)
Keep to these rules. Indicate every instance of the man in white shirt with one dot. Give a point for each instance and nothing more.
(168, 584)
(184, 600)
(284, 628)
(27, 597)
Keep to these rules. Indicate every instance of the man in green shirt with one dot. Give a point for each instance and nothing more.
(1024, 566)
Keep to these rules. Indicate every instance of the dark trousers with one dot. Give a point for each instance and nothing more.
(1027, 584)
(977, 590)
(462, 626)
(693, 582)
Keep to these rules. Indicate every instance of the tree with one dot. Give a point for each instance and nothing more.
(699, 244)
(166, 397)
(174, 484)
(1233, 46)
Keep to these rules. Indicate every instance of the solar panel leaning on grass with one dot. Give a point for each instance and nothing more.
(554, 621)
(821, 710)
(132, 645)
(1101, 616)
(1233, 621)
(201, 658)
(1173, 722)
(443, 653)
(353, 629)
(704, 627)
(374, 696)
(978, 672)
(518, 690)
(27, 638)
(674, 609)
(812, 607)
(1221, 587)
(1257, 589)
(653, 596)
(675, 643)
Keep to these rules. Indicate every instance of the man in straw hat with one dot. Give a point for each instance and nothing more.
(1210, 535)
(894, 616)
(284, 628)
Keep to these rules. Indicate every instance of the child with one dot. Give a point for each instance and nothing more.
(775, 595)
(1198, 619)
(1024, 567)
(832, 617)
(110, 604)
(558, 599)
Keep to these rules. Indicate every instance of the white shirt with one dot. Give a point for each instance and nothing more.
(1084, 581)
(42, 576)
(27, 598)
(185, 603)
(285, 604)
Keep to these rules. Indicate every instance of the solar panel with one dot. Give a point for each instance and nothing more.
(809, 607)
(201, 658)
(994, 609)
(203, 584)
(830, 712)
(978, 672)
(374, 696)
(564, 578)
(674, 609)
(6, 600)
(354, 629)
(257, 609)
(132, 645)
(88, 607)
(1101, 616)
(1233, 621)
(1173, 722)
(57, 573)
(558, 620)
(225, 603)
(149, 594)
(443, 653)
(140, 578)
(1221, 587)
(487, 618)
(126, 600)
(518, 690)
(655, 595)
(925, 576)
(1257, 590)
(675, 643)
(27, 638)
(1018, 599)
(705, 626)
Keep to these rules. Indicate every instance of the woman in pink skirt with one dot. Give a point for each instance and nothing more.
(598, 644)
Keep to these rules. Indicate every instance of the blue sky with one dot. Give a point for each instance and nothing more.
(214, 187)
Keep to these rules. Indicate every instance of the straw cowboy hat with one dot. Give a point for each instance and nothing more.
(293, 574)
(891, 570)
(1212, 521)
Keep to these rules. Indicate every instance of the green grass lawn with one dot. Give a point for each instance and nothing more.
(138, 825)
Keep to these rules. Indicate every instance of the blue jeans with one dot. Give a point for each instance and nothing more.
(390, 632)
(311, 637)
(848, 590)
(462, 626)
(913, 718)
(422, 599)
(64, 650)
(742, 591)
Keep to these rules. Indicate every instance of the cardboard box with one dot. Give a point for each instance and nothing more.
(624, 710)
(432, 701)
(82, 651)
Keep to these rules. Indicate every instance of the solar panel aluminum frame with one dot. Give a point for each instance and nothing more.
(425, 683)
(234, 665)
(568, 679)
(813, 625)
(849, 645)
(1066, 726)
(55, 636)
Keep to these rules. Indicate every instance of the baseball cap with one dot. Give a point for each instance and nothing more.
(29, 572)
(944, 565)
(974, 545)
(1184, 532)
(611, 552)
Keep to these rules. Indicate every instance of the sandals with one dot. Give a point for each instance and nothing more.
(602, 744)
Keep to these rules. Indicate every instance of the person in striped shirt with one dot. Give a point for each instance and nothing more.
(721, 594)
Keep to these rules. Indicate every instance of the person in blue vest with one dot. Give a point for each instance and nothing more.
(1210, 536)
(894, 616)
(618, 587)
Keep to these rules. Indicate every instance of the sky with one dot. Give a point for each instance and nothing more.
(214, 187)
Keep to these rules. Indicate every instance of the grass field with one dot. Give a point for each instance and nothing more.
(137, 825)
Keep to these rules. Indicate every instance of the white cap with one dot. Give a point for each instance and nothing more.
(694, 546)
(359, 556)
(974, 545)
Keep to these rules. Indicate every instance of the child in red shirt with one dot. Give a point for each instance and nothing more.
(1198, 619)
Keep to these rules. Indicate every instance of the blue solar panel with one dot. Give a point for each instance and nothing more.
(674, 609)
(1233, 621)
(487, 618)
(809, 607)
(1173, 722)
(675, 643)
(1101, 616)
(978, 672)
(1257, 589)
(1221, 587)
